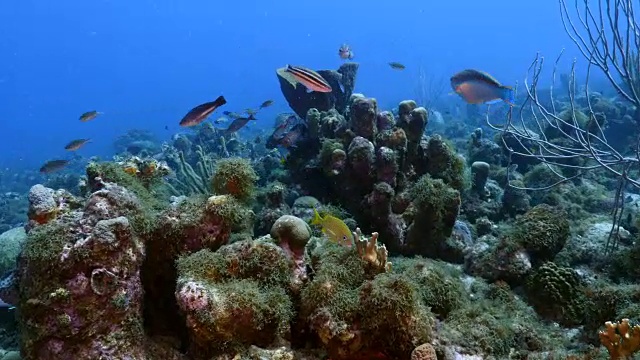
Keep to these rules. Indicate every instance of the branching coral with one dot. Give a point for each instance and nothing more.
(193, 181)
(372, 253)
(620, 339)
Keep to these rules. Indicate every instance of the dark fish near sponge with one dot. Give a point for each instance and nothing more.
(76, 144)
(238, 124)
(397, 66)
(89, 115)
(199, 113)
(53, 166)
(477, 87)
(309, 78)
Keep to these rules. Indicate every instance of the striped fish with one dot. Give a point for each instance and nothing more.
(309, 78)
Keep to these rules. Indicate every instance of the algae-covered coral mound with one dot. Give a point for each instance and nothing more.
(353, 314)
(542, 231)
(235, 297)
(235, 177)
(556, 293)
(435, 208)
(80, 289)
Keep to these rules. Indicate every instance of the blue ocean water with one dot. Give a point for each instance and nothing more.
(146, 63)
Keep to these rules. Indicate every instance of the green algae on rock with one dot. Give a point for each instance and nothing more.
(235, 177)
(235, 297)
(542, 231)
(433, 213)
(71, 274)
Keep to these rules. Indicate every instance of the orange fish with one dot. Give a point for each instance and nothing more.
(309, 78)
(477, 87)
(199, 113)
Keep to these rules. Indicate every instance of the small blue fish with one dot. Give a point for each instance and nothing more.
(477, 87)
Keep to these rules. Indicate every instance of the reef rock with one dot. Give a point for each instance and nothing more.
(234, 297)
(11, 242)
(80, 290)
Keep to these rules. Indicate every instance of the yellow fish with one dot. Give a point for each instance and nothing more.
(335, 229)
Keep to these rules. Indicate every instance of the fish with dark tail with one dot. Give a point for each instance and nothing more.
(477, 87)
(53, 166)
(309, 78)
(199, 113)
(238, 124)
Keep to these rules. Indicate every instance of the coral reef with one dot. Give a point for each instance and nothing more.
(201, 248)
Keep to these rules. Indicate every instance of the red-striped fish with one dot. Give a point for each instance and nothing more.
(309, 78)
(199, 113)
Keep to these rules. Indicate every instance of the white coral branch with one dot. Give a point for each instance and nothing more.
(371, 252)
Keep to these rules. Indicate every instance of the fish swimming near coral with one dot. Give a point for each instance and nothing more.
(76, 144)
(199, 113)
(266, 103)
(231, 114)
(220, 120)
(477, 87)
(251, 112)
(397, 66)
(238, 124)
(89, 115)
(345, 52)
(53, 166)
(291, 137)
(284, 124)
(335, 229)
(309, 78)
